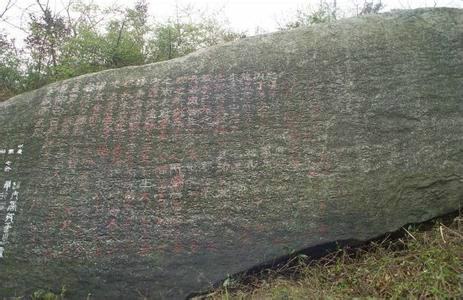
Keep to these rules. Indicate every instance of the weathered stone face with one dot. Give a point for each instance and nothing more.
(162, 179)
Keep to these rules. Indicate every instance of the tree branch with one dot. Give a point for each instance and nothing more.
(8, 5)
(67, 8)
(44, 10)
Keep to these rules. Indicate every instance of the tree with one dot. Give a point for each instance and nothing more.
(87, 49)
(10, 69)
(46, 33)
(371, 7)
(121, 40)
(6, 7)
(183, 34)
(84, 52)
(127, 37)
(324, 13)
(85, 38)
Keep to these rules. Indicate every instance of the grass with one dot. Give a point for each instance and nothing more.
(420, 262)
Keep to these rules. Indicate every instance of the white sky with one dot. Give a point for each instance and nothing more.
(243, 15)
(249, 14)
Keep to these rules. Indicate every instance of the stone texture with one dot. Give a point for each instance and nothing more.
(162, 179)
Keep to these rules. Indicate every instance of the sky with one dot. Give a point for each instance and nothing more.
(242, 15)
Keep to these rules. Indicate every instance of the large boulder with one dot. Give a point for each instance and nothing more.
(157, 181)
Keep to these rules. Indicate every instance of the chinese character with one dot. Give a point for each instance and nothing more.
(7, 169)
(20, 151)
(145, 184)
(6, 229)
(2, 151)
(14, 194)
(9, 218)
(12, 207)
(7, 185)
(5, 237)
(10, 151)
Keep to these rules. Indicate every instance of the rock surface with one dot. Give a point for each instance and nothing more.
(159, 180)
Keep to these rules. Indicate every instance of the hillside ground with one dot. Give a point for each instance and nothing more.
(419, 262)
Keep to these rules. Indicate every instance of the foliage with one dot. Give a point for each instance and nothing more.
(180, 37)
(324, 13)
(371, 7)
(46, 33)
(10, 73)
(327, 12)
(89, 38)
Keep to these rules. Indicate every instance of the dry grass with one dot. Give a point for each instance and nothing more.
(424, 262)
